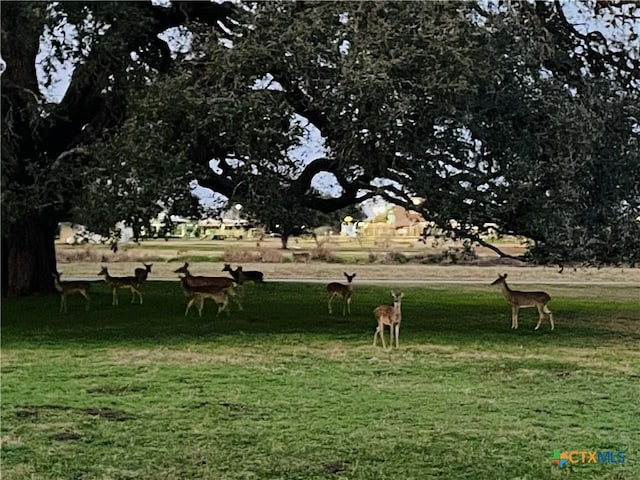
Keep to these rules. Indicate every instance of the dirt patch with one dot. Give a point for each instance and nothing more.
(108, 413)
(335, 467)
(118, 390)
(66, 436)
(234, 407)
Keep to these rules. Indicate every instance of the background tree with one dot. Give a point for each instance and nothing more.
(505, 115)
(115, 50)
(509, 113)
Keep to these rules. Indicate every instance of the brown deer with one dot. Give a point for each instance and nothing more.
(391, 316)
(335, 289)
(220, 295)
(194, 281)
(241, 276)
(69, 287)
(131, 283)
(143, 273)
(519, 300)
(301, 257)
(198, 281)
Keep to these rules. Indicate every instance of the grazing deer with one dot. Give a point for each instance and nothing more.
(241, 277)
(301, 257)
(220, 295)
(519, 300)
(68, 287)
(334, 289)
(389, 315)
(143, 273)
(132, 283)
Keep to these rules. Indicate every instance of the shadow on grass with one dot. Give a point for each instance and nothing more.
(298, 313)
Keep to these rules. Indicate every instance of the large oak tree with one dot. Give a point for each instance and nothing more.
(505, 113)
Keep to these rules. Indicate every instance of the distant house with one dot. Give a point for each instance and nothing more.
(394, 222)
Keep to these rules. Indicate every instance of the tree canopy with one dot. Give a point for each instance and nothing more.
(519, 114)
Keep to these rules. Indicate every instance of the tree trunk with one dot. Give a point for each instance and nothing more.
(29, 256)
(284, 240)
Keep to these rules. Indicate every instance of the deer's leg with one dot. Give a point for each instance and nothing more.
(375, 335)
(114, 295)
(191, 300)
(200, 305)
(382, 336)
(330, 300)
(540, 316)
(349, 305)
(514, 317)
(548, 312)
(63, 303)
(86, 297)
(397, 335)
(237, 300)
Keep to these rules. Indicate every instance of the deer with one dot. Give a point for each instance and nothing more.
(391, 316)
(132, 283)
(334, 289)
(195, 281)
(143, 273)
(69, 287)
(242, 276)
(220, 295)
(301, 257)
(519, 300)
(198, 281)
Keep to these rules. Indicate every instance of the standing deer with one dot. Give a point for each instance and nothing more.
(196, 281)
(69, 287)
(143, 273)
(519, 300)
(391, 316)
(301, 257)
(132, 283)
(241, 276)
(220, 295)
(335, 289)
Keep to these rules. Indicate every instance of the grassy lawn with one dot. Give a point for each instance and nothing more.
(282, 390)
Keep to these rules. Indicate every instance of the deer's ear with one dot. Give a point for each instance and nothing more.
(504, 276)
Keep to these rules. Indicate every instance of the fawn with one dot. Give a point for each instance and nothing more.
(334, 289)
(389, 315)
(69, 287)
(132, 283)
(519, 300)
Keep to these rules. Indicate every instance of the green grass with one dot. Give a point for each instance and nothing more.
(282, 390)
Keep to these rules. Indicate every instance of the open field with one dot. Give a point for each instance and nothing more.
(282, 390)
(370, 262)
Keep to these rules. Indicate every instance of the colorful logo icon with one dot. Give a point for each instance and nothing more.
(560, 458)
(583, 456)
